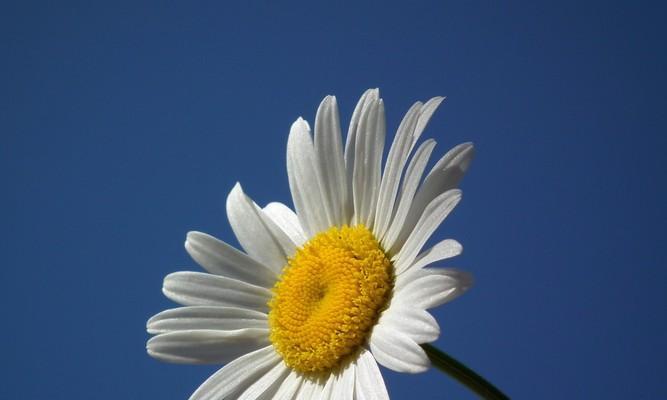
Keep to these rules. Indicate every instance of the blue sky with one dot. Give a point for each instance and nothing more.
(124, 126)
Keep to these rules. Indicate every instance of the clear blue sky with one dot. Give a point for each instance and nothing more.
(124, 126)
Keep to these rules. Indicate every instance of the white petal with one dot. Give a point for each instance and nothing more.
(236, 376)
(206, 346)
(446, 175)
(258, 235)
(329, 150)
(430, 287)
(460, 155)
(432, 217)
(329, 385)
(350, 145)
(310, 389)
(397, 351)
(343, 388)
(411, 181)
(219, 258)
(414, 322)
(287, 220)
(267, 386)
(369, 384)
(200, 289)
(391, 177)
(426, 114)
(369, 95)
(445, 249)
(304, 180)
(368, 162)
(409, 131)
(290, 387)
(205, 317)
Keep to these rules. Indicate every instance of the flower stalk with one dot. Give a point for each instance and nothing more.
(454, 368)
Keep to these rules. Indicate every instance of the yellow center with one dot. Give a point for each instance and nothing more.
(328, 298)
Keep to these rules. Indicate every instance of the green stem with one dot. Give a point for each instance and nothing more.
(463, 374)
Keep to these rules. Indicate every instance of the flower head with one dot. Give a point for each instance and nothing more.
(322, 295)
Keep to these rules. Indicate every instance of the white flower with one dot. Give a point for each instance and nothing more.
(322, 295)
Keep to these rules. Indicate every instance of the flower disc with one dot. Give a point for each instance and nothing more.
(328, 298)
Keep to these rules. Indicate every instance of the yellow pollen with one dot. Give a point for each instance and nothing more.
(328, 298)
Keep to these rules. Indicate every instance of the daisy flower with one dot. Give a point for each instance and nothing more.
(321, 295)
